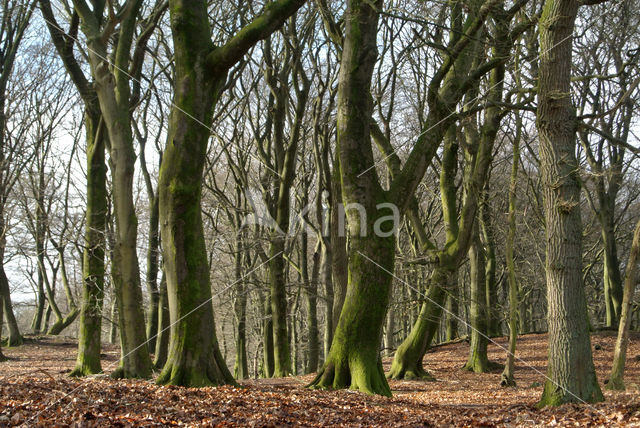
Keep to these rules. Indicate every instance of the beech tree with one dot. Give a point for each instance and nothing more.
(407, 361)
(115, 98)
(201, 71)
(353, 360)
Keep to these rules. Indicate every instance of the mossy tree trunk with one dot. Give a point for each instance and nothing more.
(616, 378)
(478, 361)
(201, 70)
(310, 284)
(571, 375)
(63, 322)
(93, 269)
(458, 227)
(281, 152)
(407, 362)
(14, 337)
(353, 360)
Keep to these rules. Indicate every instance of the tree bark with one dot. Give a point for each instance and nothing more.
(311, 292)
(267, 340)
(2, 357)
(571, 374)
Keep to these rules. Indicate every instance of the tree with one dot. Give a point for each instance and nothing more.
(459, 228)
(570, 374)
(201, 71)
(279, 152)
(112, 84)
(616, 378)
(507, 378)
(353, 360)
(607, 98)
(93, 269)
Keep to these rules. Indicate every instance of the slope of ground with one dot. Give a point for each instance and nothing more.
(36, 391)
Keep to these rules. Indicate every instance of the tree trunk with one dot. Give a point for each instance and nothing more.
(241, 368)
(267, 340)
(2, 357)
(389, 330)
(611, 276)
(152, 274)
(571, 374)
(277, 285)
(162, 341)
(112, 86)
(354, 361)
(36, 323)
(491, 286)
(15, 338)
(113, 323)
(339, 264)
(326, 275)
(311, 291)
(507, 378)
(451, 328)
(616, 378)
(93, 269)
(63, 322)
(200, 72)
(478, 361)
(194, 358)
(407, 363)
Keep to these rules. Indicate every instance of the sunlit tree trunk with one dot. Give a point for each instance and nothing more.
(570, 374)
(353, 360)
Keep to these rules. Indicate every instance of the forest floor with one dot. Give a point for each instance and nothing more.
(35, 390)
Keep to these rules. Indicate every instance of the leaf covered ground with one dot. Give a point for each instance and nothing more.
(35, 390)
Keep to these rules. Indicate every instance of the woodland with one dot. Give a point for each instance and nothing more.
(361, 212)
